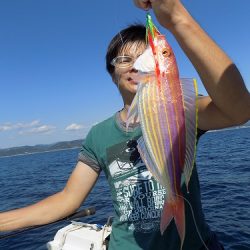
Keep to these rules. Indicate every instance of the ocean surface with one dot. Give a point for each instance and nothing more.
(223, 162)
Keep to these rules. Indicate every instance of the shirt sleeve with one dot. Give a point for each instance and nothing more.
(87, 154)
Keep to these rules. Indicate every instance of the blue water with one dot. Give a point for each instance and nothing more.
(223, 162)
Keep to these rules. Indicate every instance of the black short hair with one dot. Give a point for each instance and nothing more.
(133, 33)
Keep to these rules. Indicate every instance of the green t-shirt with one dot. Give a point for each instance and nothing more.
(137, 197)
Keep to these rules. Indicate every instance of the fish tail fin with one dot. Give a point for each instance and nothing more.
(174, 209)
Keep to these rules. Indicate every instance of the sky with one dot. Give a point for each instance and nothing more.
(53, 82)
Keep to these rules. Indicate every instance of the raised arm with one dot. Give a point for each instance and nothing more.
(228, 103)
(56, 206)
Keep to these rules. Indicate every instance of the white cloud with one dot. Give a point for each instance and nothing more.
(19, 125)
(28, 125)
(39, 130)
(74, 127)
(5, 127)
(33, 127)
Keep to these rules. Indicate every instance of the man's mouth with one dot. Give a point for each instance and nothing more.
(131, 80)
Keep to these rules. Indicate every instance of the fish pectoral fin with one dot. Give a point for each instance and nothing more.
(132, 116)
(148, 160)
(174, 209)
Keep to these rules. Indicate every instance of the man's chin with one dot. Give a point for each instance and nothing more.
(134, 88)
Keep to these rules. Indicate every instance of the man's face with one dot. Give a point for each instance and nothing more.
(123, 75)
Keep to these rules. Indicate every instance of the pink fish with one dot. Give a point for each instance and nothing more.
(166, 108)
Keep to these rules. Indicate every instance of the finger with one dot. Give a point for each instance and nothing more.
(143, 4)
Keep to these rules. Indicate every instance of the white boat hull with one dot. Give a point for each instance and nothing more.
(80, 236)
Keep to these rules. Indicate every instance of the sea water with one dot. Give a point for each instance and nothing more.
(223, 163)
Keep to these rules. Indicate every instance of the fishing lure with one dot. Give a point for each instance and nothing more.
(166, 107)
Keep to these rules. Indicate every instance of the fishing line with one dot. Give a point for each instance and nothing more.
(196, 226)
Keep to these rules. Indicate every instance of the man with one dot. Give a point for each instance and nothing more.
(138, 198)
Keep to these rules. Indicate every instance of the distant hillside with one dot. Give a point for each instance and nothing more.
(40, 148)
(51, 147)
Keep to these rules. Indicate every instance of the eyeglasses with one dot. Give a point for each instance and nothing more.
(123, 61)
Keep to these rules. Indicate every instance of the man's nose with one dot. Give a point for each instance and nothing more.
(133, 70)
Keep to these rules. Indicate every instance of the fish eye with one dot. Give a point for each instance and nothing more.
(166, 52)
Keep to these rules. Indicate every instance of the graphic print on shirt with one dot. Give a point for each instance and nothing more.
(139, 197)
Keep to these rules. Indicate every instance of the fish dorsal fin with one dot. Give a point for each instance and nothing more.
(189, 89)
